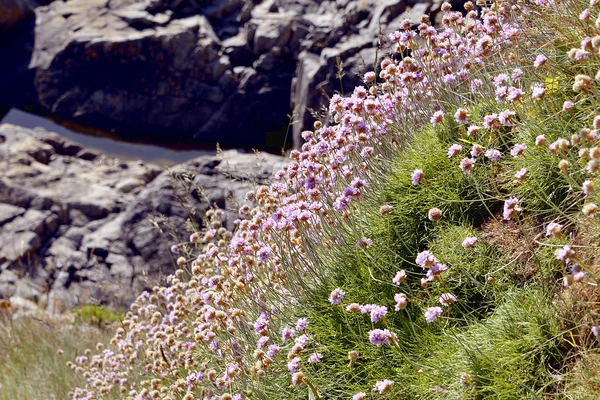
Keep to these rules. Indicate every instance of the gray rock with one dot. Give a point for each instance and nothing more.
(9, 212)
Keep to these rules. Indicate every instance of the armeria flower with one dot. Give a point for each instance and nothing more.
(518, 150)
(385, 209)
(363, 243)
(353, 307)
(587, 187)
(315, 358)
(476, 151)
(505, 117)
(596, 330)
(454, 150)
(359, 396)
(538, 92)
(369, 77)
(417, 176)
(401, 301)
(516, 75)
(553, 230)
(540, 60)
(437, 117)
(383, 386)
(447, 299)
(585, 14)
(377, 313)
(174, 249)
(461, 116)
(565, 254)
(294, 364)
(490, 121)
(336, 296)
(473, 130)
(379, 337)
(433, 313)
(466, 165)
(468, 242)
(511, 207)
(301, 324)
(493, 155)
(521, 174)
(540, 140)
(272, 350)
(466, 380)
(400, 277)
(589, 209)
(582, 83)
(297, 378)
(425, 259)
(514, 94)
(287, 333)
(434, 214)
(568, 106)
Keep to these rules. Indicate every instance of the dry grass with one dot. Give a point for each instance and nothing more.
(34, 351)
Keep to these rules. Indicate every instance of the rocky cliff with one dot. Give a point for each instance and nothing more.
(228, 71)
(76, 227)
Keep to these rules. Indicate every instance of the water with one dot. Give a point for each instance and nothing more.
(105, 142)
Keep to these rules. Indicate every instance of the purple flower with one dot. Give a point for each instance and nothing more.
(511, 207)
(518, 150)
(425, 259)
(514, 94)
(565, 254)
(383, 386)
(540, 60)
(379, 337)
(294, 364)
(377, 313)
(454, 150)
(363, 243)
(401, 301)
(596, 331)
(174, 249)
(301, 324)
(287, 333)
(359, 396)
(437, 117)
(473, 130)
(493, 154)
(468, 242)
(369, 77)
(433, 313)
(568, 106)
(400, 277)
(516, 74)
(447, 298)
(336, 296)
(466, 165)
(553, 229)
(505, 117)
(490, 121)
(587, 187)
(476, 151)
(417, 176)
(461, 116)
(272, 350)
(521, 174)
(315, 358)
(538, 91)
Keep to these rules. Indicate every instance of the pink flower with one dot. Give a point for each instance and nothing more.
(511, 207)
(468, 242)
(447, 298)
(461, 116)
(521, 174)
(493, 154)
(401, 301)
(454, 150)
(433, 313)
(400, 277)
(473, 130)
(383, 386)
(540, 60)
(553, 229)
(379, 337)
(417, 176)
(336, 296)
(540, 140)
(518, 150)
(437, 117)
(466, 165)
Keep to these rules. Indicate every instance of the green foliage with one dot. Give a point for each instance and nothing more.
(97, 315)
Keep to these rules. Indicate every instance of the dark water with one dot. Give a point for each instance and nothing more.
(105, 142)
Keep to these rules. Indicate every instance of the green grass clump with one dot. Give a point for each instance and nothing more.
(97, 315)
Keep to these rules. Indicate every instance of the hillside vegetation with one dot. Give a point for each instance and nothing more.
(436, 239)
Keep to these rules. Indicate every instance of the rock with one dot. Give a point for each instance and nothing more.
(9, 212)
(18, 245)
(273, 30)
